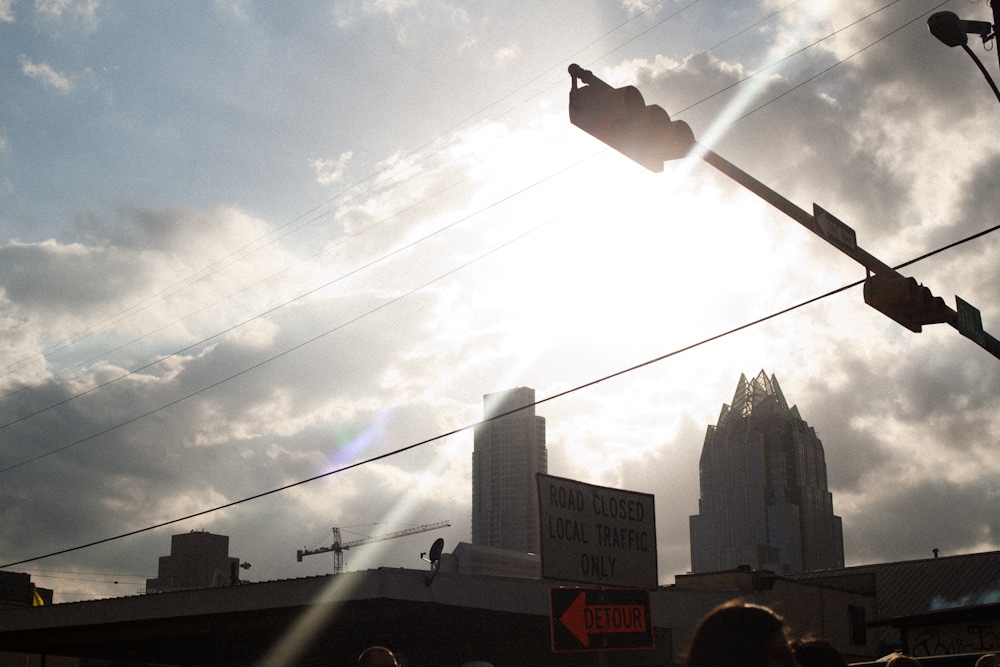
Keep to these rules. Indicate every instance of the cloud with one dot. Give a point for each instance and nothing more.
(236, 8)
(387, 6)
(515, 251)
(54, 278)
(330, 171)
(58, 11)
(638, 6)
(46, 75)
(929, 508)
(508, 53)
(6, 11)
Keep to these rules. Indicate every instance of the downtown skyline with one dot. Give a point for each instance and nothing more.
(244, 246)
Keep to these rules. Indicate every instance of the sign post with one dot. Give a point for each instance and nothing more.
(595, 534)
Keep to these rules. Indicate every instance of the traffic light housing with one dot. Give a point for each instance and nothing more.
(906, 302)
(620, 118)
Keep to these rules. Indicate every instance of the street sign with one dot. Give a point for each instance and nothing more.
(595, 534)
(970, 322)
(593, 619)
(836, 232)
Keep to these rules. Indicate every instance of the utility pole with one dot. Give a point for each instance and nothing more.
(620, 118)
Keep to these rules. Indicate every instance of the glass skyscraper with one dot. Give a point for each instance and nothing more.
(508, 452)
(764, 499)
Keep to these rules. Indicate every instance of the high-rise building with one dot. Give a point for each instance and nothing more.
(508, 452)
(764, 499)
(197, 560)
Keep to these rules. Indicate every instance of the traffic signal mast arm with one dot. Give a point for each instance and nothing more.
(620, 118)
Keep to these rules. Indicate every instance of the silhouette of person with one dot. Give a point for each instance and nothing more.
(814, 652)
(988, 660)
(902, 661)
(740, 634)
(377, 656)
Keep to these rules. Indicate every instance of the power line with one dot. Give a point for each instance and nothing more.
(194, 278)
(368, 265)
(382, 258)
(46, 573)
(401, 450)
(300, 296)
(788, 57)
(191, 279)
(232, 328)
(325, 333)
(839, 62)
(99, 581)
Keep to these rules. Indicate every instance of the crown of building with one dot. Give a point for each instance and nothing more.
(760, 397)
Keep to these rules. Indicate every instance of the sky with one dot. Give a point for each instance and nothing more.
(244, 245)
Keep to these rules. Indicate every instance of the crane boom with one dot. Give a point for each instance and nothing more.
(398, 533)
(338, 547)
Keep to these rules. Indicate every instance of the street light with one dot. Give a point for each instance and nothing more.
(953, 31)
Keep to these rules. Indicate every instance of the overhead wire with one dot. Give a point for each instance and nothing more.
(162, 358)
(194, 278)
(313, 339)
(203, 341)
(786, 57)
(840, 62)
(538, 402)
(230, 329)
(468, 427)
(272, 309)
(166, 357)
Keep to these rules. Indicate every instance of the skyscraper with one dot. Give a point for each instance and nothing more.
(764, 499)
(508, 452)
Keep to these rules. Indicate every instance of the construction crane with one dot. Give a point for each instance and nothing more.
(338, 548)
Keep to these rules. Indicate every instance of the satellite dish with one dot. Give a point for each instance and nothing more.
(435, 559)
(436, 550)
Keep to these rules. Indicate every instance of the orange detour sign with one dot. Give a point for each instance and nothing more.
(591, 619)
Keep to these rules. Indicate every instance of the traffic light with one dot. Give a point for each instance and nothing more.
(905, 301)
(620, 118)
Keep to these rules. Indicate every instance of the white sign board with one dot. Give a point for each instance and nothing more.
(595, 534)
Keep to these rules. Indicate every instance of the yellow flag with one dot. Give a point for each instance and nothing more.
(36, 599)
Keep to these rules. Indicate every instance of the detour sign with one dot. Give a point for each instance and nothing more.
(587, 619)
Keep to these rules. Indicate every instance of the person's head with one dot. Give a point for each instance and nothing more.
(902, 661)
(988, 660)
(817, 653)
(377, 656)
(739, 634)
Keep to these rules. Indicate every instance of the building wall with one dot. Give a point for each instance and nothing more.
(36, 660)
(483, 560)
(837, 615)
(508, 453)
(459, 617)
(17, 590)
(969, 636)
(196, 560)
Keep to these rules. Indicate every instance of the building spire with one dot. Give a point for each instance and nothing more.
(761, 396)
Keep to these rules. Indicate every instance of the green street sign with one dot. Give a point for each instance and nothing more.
(970, 322)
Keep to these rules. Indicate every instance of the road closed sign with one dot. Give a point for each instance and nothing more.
(591, 619)
(595, 534)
